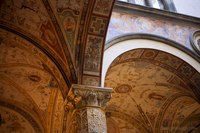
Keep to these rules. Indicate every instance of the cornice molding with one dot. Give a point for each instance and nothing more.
(132, 8)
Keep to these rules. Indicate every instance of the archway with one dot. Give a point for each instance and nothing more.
(150, 86)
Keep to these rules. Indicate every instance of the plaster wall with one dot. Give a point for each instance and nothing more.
(122, 23)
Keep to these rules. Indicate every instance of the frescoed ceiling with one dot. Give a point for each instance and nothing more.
(64, 28)
(152, 92)
(16, 122)
(30, 19)
(28, 78)
(46, 45)
(43, 44)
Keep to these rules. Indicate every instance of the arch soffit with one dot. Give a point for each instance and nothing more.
(35, 123)
(119, 47)
(125, 43)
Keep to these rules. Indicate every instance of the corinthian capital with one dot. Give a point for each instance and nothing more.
(83, 96)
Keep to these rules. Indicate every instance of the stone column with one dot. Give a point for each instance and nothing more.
(89, 103)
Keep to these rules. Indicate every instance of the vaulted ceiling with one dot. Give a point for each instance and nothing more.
(45, 46)
(152, 93)
(66, 30)
(28, 78)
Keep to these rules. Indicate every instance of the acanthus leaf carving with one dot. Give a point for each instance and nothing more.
(88, 102)
(83, 96)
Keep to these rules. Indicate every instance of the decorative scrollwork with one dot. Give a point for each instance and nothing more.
(83, 96)
(88, 101)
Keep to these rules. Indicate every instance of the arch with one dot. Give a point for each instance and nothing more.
(127, 42)
(33, 122)
(29, 70)
(151, 77)
(57, 62)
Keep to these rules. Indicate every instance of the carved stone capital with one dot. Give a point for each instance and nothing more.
(87, 102)
(84, 96)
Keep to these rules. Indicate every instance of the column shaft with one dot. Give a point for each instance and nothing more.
(89, 103)
(90, 120)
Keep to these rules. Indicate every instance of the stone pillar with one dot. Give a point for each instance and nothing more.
(89, 103)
